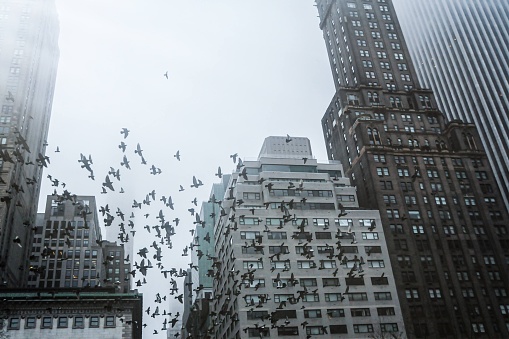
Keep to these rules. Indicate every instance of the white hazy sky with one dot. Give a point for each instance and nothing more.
(239, 70)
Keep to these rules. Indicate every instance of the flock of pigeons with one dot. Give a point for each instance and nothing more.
(160, 232)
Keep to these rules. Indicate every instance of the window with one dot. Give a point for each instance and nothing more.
(62, 322)
(258, 332)
(369, 235)
(47, 322)
(249, 221)
(30, 322)
(312, 313)
(321, 222)
(286, 330)
(360, 312)
(385, 311)
(306, 264)
(364, 53)
(478, 328)
(376, 264)
(330, 282)
(252, 264)
(418, 229)
(389, 327)
(256, 315)
(251, 196)
(276, 235)
(94, 321)
(328, 263)
(310, 298)
(335, 313)
(323, 235)
(14, 324)
(363, 328)
(412, 293)
(109, 321)
(360, 296)
(249, 235)
(282, 265)
(315, 330)
(278, 249)
(333, 297)
(383, 296)
(382, 171)
(308, 282)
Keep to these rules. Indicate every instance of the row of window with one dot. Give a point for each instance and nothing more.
(320, 222)
(252, 299)
(61, 322)
(430, 173)
(321, 330)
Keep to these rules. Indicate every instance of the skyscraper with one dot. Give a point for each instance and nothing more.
(28, 63)
(295, 256)
(68, 249)
(460, 51)
(441, 209)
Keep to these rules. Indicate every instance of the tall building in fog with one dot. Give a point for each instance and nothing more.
(68, 249)
(295, 256)
(28, 64)
(441, 208)
(460, 49)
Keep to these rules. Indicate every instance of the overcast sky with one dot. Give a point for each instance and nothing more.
(238, 71)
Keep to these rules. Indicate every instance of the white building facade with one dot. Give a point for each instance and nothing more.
(295, 256)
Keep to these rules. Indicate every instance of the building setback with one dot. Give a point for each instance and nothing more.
(295, 256)
(71, 313)
(441, 209)
(29, 56)
(460, 52)
(68, 249)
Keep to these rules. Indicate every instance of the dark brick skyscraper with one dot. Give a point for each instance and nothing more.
(443, 215)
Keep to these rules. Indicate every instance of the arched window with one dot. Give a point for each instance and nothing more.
(376, 137)
(416, 143)
(370, 136)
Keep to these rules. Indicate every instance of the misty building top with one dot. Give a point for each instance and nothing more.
(286, 147)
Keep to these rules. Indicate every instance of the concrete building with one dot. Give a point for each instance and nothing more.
(442, 212)
(196, 314)
(71, 313)
(460, 52)
(28, 64)
(68, 249)
(295, 256)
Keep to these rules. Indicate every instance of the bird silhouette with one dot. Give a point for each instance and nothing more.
(125, 132)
